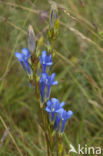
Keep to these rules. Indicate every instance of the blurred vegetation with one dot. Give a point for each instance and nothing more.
(78, 64)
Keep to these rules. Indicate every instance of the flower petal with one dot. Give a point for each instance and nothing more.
(60, 111)
(62, 104)
(55, 83)
(49, 63)
(25, 51)
(53, 77)
(49, 103)
(63, 125)
(22, 64)
(44, 54)
(47, 109)
(70, 113)
(54, 100)
(19, 56)
(27, 66)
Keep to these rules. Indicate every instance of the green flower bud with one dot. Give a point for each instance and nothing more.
(30, 39)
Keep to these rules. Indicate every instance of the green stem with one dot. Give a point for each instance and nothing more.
(60, 147)
(47, 143)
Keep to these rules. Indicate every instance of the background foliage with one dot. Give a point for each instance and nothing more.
(78, 64)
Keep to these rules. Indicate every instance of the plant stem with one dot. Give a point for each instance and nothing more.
(47, 143)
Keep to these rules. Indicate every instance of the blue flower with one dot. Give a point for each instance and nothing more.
(46, 82)
(53, 106)
(45, 60)
(43, 82)
(23, 58)
(62, 117)
(51, 81)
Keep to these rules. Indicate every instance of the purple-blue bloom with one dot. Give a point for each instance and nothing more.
(53, 106)
(43, 80)
(45, 60)
(23, 58)
(51, 81)
(46, 82)
(62, 116)
(26, 52)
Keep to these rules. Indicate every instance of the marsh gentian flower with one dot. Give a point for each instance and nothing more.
(45, 60)
(62, 116)
(46, 82)
(43, 82)
(53, 106)
(23, 58)
(51, 81)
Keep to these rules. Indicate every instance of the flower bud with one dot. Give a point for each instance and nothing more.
(30, 39)
(53, 14)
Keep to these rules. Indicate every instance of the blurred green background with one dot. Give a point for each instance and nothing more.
(78, 64)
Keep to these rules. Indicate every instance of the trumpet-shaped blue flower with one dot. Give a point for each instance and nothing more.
(51, 81)
(62, 117)
(53, 106)
(43, 82)
(44, 78)
(23, 58)
(46, 82)
(45, 60)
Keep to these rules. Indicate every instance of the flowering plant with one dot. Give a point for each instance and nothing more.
(37, 65)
